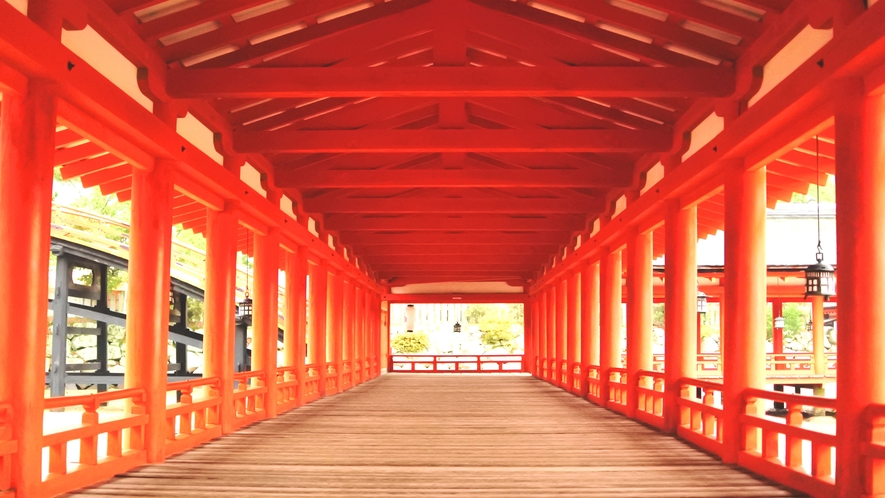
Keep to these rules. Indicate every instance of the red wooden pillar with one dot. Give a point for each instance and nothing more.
(376, 336)
(319, 277)
(359, 309)
(347, 329)
(589, 322)
(817, 335)
(777, 334)
(745, 285)
(535, 327)
(336, 329)
(639, 313)
(681, 348)
(609, 319)
(264, 317)
(860, 149)
(551, 335)
(543, 342)
(294, 338)
(367, 335)
(528, 357)
(573, 346)
(218, 338)
(561, 329)
(27, 147)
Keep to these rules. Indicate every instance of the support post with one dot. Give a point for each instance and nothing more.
(319, 276)
(294, 338)
(528, 356)
(543, 333)
(265, 329)
(683, 320)
(817, 335)
(743, 352)
(336, 328)
(347, 329)
(860, 147)
(356, 330)
(589, 322)
(59, 359)
(573, 346)
(639, 314)
(561, 329)
(27, 146)
(221, 284)
(609, 319)
(551, 335)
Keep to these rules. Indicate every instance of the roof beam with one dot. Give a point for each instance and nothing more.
(432, 238)
(468, 81)
(454, 178)
(502, 250)
(512, 205)
(338, 141)
(512, 259)
(454, 223)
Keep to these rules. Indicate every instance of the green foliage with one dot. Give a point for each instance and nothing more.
(496, 333)
(194, 314)
(106, 205)
(477, 313)
(795, 320)
(658, 315)
(410, 342)
(827, 193)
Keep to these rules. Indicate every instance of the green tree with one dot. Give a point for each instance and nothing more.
(410, 342)
(497, 333)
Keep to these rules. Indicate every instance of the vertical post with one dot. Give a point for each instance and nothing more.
(347, 328)
(357, 338)
(319, 276)
(528, 355)
(336, 292)
(551, 335)
(681, 332)
(609, 319)
(27, 147)
(574, 334)
(589, 322)
(294, 338)
(376, 335)
(221, 284)
(860, 146)
(745, 285)
(817, 335)
(59, 359)
(265, 322)
(535, 327)
(639, 313)
(561, 328)
(543, 342)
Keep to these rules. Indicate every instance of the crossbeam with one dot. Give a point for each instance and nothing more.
(454, 223)
(511, 205)
(466, 81)
(434, 238)
(455, 178)
(420, 141)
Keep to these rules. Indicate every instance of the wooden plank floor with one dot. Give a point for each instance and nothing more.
(406, 435)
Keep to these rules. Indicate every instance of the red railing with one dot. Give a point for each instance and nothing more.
(190, 421)
(487, 363)
(874, 451)
(103, 452)
(311, 382)
(650, 394)
(8, 447)
(617, 389)
(594, 390)
(577, 378)
(544, 368)
(346, 376)
(699, 420)
(249, 398)
(778, 453)
(331, 379)
(287, 388)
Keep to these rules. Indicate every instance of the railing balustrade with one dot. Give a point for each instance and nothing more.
(194, 419)
(106, 447)
(700, 416)
(311, 382)
(774, 447)
(8, 447)
(594, 389)
(287, 388)
(617, 389)
(461, 363)
(249, 397)
(650, 402)
(874, 451)
(577, 376)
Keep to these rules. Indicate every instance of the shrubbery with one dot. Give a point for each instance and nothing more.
(410, 342)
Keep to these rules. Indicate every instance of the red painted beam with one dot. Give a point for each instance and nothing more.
(470, 178)
(510, 205)
(424, 260)
(521, 81)
(454, 298)
(454, 223)
(431, 238)
(337, 141)
(463, 268)
(454, 249)
(457, 275)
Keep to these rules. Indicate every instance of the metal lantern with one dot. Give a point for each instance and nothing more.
(244, 307)
(820, 279)
(779, 322)
(702, 302)
(457, 327)
(174, 311)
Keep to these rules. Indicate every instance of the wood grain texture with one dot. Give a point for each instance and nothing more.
(444, 435)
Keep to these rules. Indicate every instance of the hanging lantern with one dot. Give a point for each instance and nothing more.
(174, 311)
(820, 278)
(244, 307)
(779, 322)
(457, 327)
(702, 303)
(410, 318)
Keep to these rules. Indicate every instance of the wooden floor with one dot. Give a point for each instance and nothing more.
(414, 435)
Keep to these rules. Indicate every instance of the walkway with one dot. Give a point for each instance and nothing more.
(446, 435)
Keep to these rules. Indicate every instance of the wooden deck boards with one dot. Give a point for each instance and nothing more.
(405, 435)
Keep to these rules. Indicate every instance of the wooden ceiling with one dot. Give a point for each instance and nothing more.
(452, 140)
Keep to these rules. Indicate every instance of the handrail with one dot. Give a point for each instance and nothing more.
(474, 362)
(650, 399)
(94, 463)
(617, 389)
(594, 388)
(8, 446)
(763, 454)
(700, 417)
(249, 397)
(874, 449)
(193, 420)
